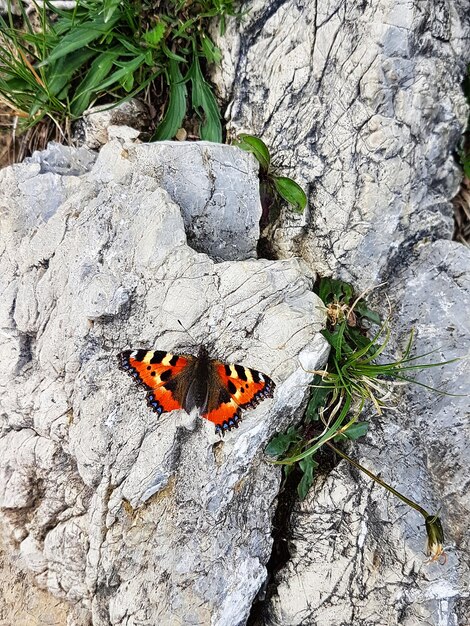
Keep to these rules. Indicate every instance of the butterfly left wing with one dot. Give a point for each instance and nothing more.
(231, 389)
(166, 376)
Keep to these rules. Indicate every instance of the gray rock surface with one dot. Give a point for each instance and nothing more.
(130, 518)
(220, 217)
(63, 160)
(22, 603)
(357, 553)
(93, 127)
(362, 104)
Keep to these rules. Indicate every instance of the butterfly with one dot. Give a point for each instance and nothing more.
(219, 390)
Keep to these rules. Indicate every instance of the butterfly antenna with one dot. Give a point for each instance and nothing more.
(223, 330)
(187, 332)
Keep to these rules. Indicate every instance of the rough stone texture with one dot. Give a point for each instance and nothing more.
(22, 603)
(361, 103)
(133, 519)
(357, 553)
(221, 218)
(93, 127)
(63, 160)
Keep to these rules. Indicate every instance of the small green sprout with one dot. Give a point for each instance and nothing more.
(272, 186)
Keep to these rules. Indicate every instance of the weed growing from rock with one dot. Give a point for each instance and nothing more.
(355, 376)
(272, 185)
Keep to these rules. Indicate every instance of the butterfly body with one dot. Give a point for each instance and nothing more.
(220, 391)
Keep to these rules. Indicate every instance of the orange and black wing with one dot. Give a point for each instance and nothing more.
(231, 389)
(166, 376)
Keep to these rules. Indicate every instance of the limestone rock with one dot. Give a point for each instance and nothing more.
(93, 127)
(63, 160)
(22, 603)
(362, 105)
(129, 517)
(357, 553)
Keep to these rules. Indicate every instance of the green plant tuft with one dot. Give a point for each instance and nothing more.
(272, 186)
(108, 51)
(355, 376)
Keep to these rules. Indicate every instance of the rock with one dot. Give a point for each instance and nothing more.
(93, 127)
(63, 160)
(22, 601)
(6, 6)
(362, 105)
(127, 516)
(139, 520)
(356, 552)
(220, 218)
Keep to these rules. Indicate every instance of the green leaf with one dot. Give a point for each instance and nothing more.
(126, 69)
(331, 289)
(466, 167)
(318, 398)
(79, 37)
(359, 341)
(129, 45)
(127, 82)
(154, 36)
(291, 192)
(256, 146)
(61, 73)
(172, 55)
(335, 338)
(281, 443)
(363, 310)
(210, 50)
(89, 86)
(203, 99)
(109, 8)
(356, 430)
(288, 469)
(176, 107)
(307, 465)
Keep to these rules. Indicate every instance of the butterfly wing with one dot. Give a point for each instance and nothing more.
(231, 389)
(166, 376)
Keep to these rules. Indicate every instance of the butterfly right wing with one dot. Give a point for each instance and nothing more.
(234, 388)
(166, 376)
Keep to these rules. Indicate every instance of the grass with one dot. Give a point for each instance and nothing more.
(57, 63)
(357, 377)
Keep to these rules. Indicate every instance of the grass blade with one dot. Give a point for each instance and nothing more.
(80, 36)
(126, 68)
(203, 99)
(177, 104)
(98, 71)
(60, 73)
